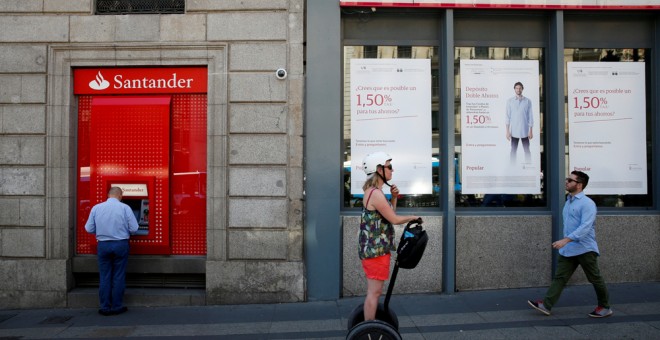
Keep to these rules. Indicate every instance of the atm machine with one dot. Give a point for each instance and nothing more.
(136, 194)
(144, 130)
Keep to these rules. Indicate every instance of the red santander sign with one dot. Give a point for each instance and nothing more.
(146, 80)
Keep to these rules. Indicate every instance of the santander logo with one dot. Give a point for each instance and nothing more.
(99, 83)
(139, 80)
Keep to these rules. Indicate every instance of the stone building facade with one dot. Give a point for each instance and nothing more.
(254, 249)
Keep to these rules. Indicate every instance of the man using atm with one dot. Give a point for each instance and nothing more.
(113, 222)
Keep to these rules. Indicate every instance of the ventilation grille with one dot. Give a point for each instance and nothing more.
(140, 6)
(139, 280)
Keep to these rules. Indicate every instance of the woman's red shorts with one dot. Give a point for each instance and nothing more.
(377, 268)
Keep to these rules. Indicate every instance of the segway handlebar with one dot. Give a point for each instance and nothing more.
(417, 221)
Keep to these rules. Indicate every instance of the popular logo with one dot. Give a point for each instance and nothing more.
(99, 83)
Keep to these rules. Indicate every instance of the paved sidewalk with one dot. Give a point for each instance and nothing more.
(494, 314)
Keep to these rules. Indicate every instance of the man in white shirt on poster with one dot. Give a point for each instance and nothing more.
(519, 122)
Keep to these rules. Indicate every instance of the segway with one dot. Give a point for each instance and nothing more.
(386, 326)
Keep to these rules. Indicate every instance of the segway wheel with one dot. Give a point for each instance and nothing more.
(388, 316)
(373, 329)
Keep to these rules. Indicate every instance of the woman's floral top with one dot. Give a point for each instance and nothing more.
(376, 236)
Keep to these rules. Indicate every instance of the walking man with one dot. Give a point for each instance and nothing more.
(578, 247)
(113, 222)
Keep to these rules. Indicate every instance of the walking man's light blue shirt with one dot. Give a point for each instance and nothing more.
(111, 220)
(579, 225)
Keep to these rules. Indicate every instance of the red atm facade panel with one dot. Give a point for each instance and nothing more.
(150, 142)
(130, 141)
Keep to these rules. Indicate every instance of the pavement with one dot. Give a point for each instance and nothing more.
(492, 314)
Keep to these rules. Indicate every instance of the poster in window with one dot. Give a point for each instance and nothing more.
(500, 131)
(391, 112)
(607, 125)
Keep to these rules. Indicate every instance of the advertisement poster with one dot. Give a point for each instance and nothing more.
(500, 127)
(607, 125)
(391, 112)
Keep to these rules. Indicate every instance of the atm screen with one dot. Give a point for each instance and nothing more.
(140, 209)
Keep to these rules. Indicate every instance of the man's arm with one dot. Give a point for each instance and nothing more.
(130, 220)
(90, 226)
(561, 243)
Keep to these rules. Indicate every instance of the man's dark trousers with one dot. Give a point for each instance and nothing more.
(566, 266)
(112, 258)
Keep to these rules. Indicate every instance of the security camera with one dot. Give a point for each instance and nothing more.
(280, 73)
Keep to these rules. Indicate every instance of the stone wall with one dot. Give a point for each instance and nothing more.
(255, 138)
(500, 252)
(514, 251)
(629, 249)
(503, 251)
(425, 278)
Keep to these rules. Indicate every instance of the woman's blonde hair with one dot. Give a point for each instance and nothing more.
(371, 182)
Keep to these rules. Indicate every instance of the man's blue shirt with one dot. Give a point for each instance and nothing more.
(579, 225)
(111, 221)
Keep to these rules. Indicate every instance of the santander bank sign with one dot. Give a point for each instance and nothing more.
(152, 80)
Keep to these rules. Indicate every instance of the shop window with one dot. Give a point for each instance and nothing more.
(404, 52)
(515, 53)
(490, 171)
(140, 6)
(392, 52)
(481, 52)
(611, 97)
(370, 52)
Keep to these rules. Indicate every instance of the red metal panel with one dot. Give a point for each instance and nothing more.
(187, 172)
(85, 242)
(130, 139)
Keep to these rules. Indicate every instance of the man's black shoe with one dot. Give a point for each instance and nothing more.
(120, 310)
(106, 312)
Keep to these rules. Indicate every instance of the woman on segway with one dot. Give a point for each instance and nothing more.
(376, 237)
